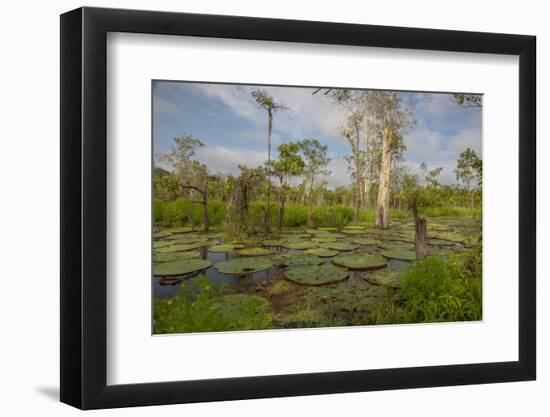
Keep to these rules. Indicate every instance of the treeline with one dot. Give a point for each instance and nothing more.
(375, 126)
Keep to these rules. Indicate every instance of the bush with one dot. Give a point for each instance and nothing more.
(436, 290)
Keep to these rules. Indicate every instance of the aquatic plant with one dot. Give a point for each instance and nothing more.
(360, 261)
(180, 267)
(316, 274)
(243, 266)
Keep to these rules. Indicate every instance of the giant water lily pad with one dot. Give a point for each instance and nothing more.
(341, 246)
(316, 274)
(180, 267)
(354, 231)
(336, 235)
(243, 266)
(225, 248)
(180, 247)
(175, 256)
(327, 229)
(296, 259)
(272, 242)
(176, 230)
(299, 244)
(354, 227)
(255, 252)
(181, 236)
(441, 242)
(161, 244)
(189, 240)
(322, 252)
(244, 312)
(160, 235)
(386, 277)
(366, 241)
(400, 253)
(295, 236)
(323, 239)
(360, 262)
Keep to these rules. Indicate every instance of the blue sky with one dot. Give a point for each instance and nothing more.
(234, 128)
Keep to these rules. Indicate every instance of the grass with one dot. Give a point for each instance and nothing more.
(183, 213)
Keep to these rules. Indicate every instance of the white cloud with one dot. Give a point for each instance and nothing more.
(226, 161)
(467, 138)
(339, 175)
(424, 143)
(306, 116)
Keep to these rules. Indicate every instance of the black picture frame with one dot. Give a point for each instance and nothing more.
(84, 207)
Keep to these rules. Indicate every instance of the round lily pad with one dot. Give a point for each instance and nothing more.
(441, 242)
(160, 235)
(272, 242)
(175, 256)
(316, 274)
(242, 266)
(354, 227)
(189, 240)
(255, 252)
(299, 244)
(354, 231)
(328, 229)
(296, 259)
(322, 252)
(341, 246)
(294, 236)
(175, 230)
(181, 267)
(360, 262)
(399, 252)
(161, 243)
(180, 247)
(225, 248)
(323, 239)
(386, 277)
(366, 241)
(336, 235)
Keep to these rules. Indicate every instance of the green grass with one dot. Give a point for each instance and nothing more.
(182, 213)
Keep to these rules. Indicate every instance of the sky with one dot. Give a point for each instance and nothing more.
(233, 127)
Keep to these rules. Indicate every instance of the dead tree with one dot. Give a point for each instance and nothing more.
(420, 233)
(204, 201)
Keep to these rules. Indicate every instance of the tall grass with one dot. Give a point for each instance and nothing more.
(183, 213)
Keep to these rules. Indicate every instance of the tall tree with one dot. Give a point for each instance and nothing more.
(390, 120)
(270, 106)
(316, 159)
(289, 164)
(469, 170)
(192, 175)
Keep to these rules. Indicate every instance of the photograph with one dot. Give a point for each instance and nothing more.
(290, 207)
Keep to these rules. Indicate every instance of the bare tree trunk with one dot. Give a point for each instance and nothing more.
(471, 200)
(281, 206)
(366, 202)
(310, 217)
(267, 219)
(420, 235)
(205, 204)
(383, 202)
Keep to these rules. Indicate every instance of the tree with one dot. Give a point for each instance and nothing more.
(270, 106)
(415, 195)
(191, 174)
(468, 100)
(166, 185)
(389, 120)
(468, 170)
(289, 164)
(353, 103)
(316, 159)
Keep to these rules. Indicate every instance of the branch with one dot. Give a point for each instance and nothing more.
(192, 187)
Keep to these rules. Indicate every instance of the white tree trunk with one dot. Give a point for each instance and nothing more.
(383, 202)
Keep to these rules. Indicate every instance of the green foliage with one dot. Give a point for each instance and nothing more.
(436, 290)
(203, 307)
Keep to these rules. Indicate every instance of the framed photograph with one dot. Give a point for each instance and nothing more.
(256, 208)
